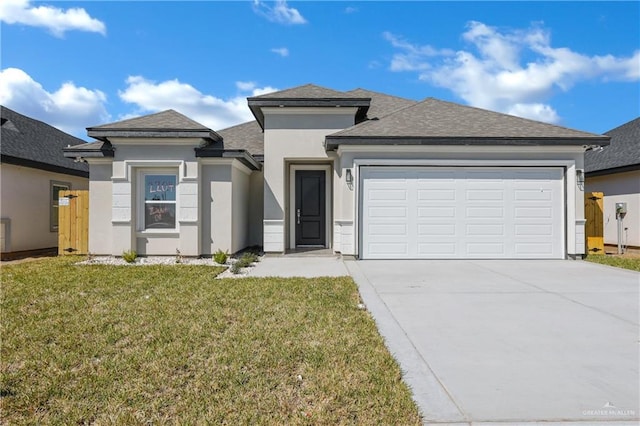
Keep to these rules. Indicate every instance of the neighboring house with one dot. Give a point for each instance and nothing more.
(615, 171)
(33, 171)
(360, 173)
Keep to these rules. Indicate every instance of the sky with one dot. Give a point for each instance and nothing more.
(76, 64)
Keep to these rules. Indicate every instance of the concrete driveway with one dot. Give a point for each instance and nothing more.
(510, 341)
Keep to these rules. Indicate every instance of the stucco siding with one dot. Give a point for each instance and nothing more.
(240, 206)
(618, 188)
(26, 206)
(293, 138)
(216, 208)
(100, 204)
(256, 207)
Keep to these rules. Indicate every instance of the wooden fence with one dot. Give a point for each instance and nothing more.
(594, 228)
(73, 222)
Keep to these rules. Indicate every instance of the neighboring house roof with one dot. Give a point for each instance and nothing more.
(438, 122)
(27, 142)
(622, 154)
(308, 95)
(167, 123)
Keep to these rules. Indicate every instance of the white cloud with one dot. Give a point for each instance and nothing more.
(246, 86)
(493, 74)
(280, 12)
(350, 9)
(70, 108)
(282, 51)
(149, 97)
(54, 19)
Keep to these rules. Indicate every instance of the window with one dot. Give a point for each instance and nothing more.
(159, 201)
(56, 187)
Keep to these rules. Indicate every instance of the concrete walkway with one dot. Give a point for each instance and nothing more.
(299, 266)
(510, 342)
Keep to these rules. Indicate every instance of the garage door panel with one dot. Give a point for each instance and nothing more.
(429, 230)
(484, 212)
(442, 250)
(484, 195)
(462, 212)
(388, 195)
(485, 249)
(533, 212)
(436, 194)
(485, 230)
(387, 212)
(400, 250)
(532, 230)
(386, 229)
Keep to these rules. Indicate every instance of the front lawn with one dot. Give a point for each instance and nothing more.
(632, 263)
(170, 344)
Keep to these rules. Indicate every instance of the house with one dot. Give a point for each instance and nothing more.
(33, 171)
(615, 171)
(360, 173)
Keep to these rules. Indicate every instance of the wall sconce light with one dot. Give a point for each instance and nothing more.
(349, 177)
(580, 176)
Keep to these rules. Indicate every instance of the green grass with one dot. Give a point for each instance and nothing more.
(632, 263)
(170, 344)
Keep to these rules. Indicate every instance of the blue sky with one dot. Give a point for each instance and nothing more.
(78, 64)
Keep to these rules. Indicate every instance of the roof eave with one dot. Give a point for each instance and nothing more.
(239, 154)
(256, 104)
(333, 142)
(87, 151)
(613, 170)
(105, 134)
(43, 166)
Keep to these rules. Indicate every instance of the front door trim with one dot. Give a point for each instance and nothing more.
(292, 200)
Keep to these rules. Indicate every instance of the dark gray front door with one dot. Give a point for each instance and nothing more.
(310, 208)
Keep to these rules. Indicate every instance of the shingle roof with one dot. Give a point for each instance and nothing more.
(308, 95)
(167, 123)
(441, 119)
(623, 151)
(381, 103)
(32, 143)
(308, 91)
(247, 136)
(165, 120)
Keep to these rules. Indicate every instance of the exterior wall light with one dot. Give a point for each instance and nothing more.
(580, 176)
(349, 177)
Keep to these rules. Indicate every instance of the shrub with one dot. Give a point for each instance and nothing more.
(129, 256)
(236, 267)
(220, 257)
(249, 258)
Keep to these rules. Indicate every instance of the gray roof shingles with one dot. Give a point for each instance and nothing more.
(624, 150)
(33, 143)
(434, 118)
(164, 120)
(307, 91)
(381, 103)
(247, 136)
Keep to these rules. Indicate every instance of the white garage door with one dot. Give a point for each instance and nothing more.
(462, 212)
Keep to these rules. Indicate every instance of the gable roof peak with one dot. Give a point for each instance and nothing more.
(167, 119)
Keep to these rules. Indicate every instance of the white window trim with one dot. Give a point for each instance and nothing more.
(55, 204)
(292, 199)
(140, 201)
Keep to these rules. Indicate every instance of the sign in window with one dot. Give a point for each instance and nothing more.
(160, 201)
